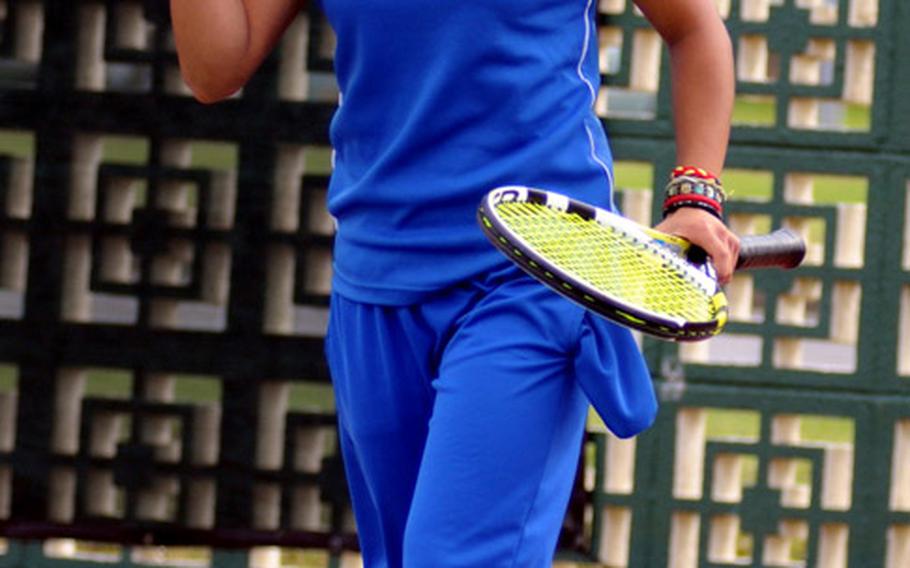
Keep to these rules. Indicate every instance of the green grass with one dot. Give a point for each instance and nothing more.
(193, 389)
(8, 378)
(196, 389)
(761, 111)
(754, 185)
(754, 111)
(316, 397)
(17, 143)
(206, 154)
(832, 429)
(740, 423)
(318, 160)
(858, 117)
(108, 383)
(215, 155)
(734, 422)
(831, 189)
(125, 150)
(633, 175)
(135, 150)
(291, 557)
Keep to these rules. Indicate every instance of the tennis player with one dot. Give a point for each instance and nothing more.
(462, 386)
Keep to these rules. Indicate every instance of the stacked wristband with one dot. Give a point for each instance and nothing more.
(694, 187)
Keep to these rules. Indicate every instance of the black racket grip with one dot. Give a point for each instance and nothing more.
(781, 249)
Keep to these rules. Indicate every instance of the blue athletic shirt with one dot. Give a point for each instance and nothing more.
(441, 101)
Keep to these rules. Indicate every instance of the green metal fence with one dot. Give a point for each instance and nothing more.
(784, 442)
(164, 272)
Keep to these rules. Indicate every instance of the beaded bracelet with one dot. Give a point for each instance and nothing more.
(694, 186)
(692, 171)
(690, 186)
(703, 205)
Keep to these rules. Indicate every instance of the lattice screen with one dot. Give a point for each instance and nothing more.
(164, 268)
(782, 442)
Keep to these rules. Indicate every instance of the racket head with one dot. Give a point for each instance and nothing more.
(638, 277)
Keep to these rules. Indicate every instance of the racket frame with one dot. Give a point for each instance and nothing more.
(580, 292)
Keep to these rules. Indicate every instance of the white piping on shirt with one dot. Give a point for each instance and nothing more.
(581, 75)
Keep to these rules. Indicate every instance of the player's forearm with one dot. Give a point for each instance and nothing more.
(220, 43)
(703, 91)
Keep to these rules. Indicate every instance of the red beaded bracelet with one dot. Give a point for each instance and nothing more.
(695, 172)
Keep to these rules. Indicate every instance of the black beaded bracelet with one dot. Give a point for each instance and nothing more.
(696, 204)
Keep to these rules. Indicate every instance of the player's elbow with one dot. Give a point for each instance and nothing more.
(211, 95)
(210, 92)
(210, 84)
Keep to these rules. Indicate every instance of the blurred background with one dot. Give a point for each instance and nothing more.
(165, 266)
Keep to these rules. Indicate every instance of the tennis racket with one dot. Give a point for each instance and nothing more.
(642, 278)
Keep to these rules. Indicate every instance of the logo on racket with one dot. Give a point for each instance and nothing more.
(508, 194)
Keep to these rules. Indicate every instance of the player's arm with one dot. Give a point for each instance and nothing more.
(701, 60)
(221, 43)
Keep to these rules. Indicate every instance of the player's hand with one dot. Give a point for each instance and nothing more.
(703, 229)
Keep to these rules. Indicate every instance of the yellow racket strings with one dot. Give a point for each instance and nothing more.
(609, 260)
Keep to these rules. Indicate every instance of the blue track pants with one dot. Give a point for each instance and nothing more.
(460, 418)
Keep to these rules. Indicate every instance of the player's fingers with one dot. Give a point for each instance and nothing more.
(707, 232)
(714, 244)
(725, 250)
